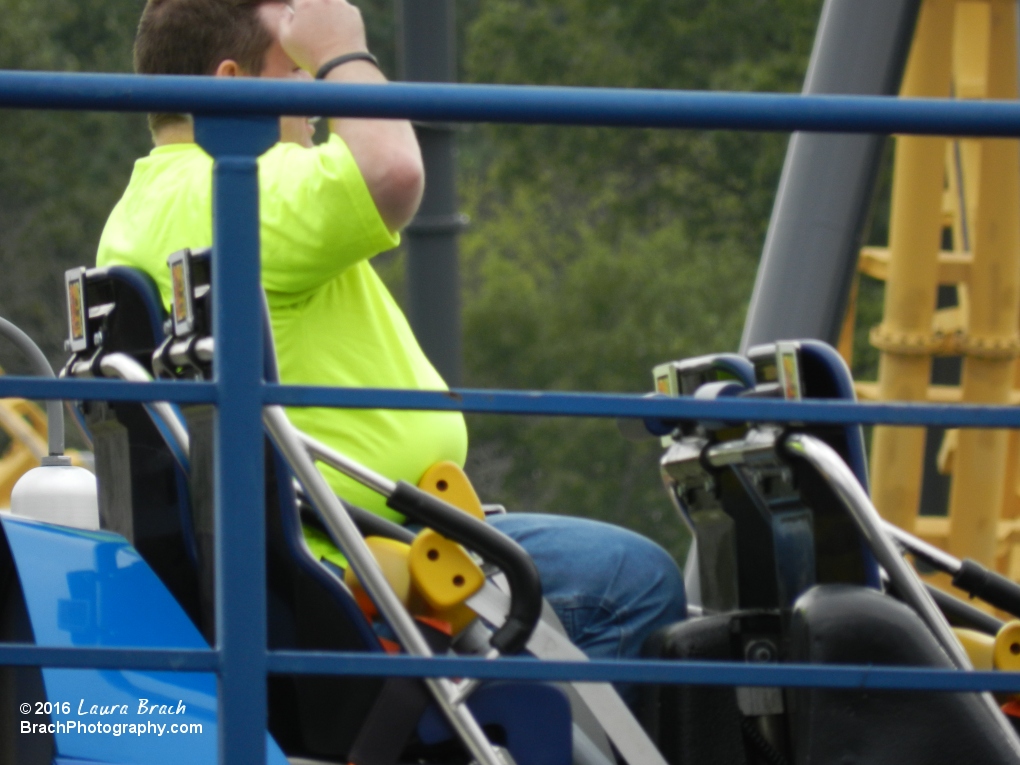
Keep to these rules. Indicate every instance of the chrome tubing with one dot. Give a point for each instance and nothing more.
(920, 548)
(296, 450)
(363, 475)
(906, 581)
(844, 483)
(54, 409)
(204, 349)
(756, 447)
(124, 367)
(180, 351)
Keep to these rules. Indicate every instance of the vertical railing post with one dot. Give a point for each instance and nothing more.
(235, 143)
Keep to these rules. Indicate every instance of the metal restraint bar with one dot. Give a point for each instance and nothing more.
(54, 409)
(908, 584)
(163, 415)
(290, 442)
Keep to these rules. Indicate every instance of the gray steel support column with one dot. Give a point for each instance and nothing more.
(828, 181)
(426, 53)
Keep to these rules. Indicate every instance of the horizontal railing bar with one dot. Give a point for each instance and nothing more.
(540, 403)
(175, 660)
(632, 405)
(39, 388)
(511, 103)
(645, 671)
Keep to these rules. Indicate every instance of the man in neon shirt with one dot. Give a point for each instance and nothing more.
(325, 211)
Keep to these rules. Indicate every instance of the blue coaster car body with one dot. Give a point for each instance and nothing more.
(91, 588)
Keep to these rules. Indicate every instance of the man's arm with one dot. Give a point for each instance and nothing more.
(386, 151)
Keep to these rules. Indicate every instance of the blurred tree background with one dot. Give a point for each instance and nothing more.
(595, 254)
(60, 173)
(592, 254)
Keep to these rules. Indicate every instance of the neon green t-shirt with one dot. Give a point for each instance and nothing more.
(334, 321)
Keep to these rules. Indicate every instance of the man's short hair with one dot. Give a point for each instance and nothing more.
(194, 36)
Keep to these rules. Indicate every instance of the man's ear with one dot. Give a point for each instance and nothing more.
(229, 68)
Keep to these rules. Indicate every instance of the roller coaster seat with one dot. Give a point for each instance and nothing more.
(143, 490)
(786, 577)
(309, 607)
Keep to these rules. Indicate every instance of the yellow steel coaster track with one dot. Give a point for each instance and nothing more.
(965, 193)
(23, 444)
(23, 428)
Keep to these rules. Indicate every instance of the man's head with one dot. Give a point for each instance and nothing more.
(208, 37)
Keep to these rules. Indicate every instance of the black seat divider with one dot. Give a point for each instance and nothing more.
(143, 492)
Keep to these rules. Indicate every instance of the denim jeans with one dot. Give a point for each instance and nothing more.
(610, 587)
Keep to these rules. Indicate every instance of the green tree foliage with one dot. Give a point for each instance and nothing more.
(596, 253)
(720, 183)
(60, 173)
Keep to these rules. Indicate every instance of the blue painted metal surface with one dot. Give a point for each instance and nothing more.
(646, 671)
(542, 403)
(841, 379)
(623, 405)
(234, 143)
(12, 386)
(512, 103)
(537, 403)
(842, 383)
(27, 655)
(87, 588)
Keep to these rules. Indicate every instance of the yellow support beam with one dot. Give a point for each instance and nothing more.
(953, 267)
(913, 274)
(24, 424)
(986, 67)
(937, 394)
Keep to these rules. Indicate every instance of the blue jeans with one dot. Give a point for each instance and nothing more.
(610, 587)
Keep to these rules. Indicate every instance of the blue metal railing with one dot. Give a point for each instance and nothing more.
(513, 103)
(235, 121)
(540, 403)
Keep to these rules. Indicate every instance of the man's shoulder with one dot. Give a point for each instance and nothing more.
(174, 155)
(168, 166)
(175, 173)
(166, 206)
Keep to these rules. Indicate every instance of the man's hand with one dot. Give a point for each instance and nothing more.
(320, 30)
(386, 151)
